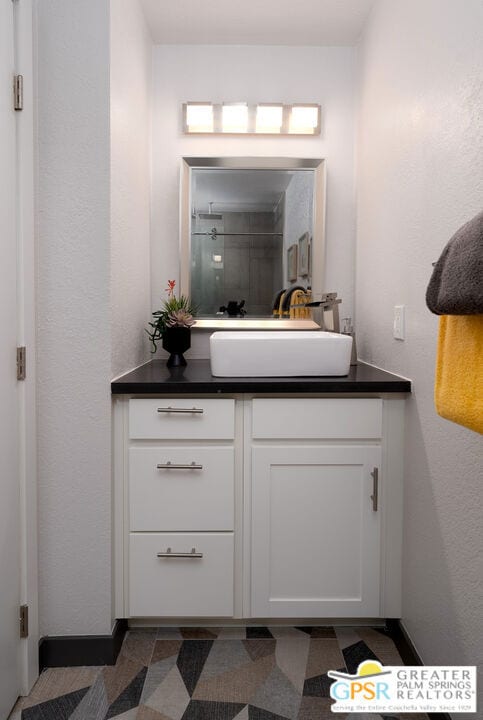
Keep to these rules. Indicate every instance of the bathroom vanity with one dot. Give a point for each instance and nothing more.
(257, 498)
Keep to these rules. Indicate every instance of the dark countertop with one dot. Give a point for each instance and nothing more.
(155, 378)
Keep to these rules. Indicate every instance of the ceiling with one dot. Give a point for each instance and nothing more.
(233, 190)
(256, 22)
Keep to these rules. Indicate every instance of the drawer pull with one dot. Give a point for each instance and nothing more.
(375, 490)
(198, 411)
(170, 554)
(179, 466)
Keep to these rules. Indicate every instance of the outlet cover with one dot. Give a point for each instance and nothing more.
(399, 330)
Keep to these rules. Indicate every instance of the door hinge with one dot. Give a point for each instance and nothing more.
(21, 363)
(24, 621)
(18, 92)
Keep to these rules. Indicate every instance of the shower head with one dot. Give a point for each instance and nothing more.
(210, 215)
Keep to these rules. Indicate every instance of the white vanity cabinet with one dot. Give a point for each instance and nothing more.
(258, 506)
(315, 515)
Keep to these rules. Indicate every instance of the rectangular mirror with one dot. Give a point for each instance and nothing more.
(251, 228)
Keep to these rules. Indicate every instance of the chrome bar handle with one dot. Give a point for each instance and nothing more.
(375, 488)
(170, 554)
(198, 411)
(179, 466)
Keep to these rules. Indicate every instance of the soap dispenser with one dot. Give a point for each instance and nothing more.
(348, 329)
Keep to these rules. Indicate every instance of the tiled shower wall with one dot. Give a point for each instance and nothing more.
(251, 265)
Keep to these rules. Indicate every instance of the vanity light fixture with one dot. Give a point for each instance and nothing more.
(206, 118)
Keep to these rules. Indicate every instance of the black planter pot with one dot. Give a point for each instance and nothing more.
(176, 340)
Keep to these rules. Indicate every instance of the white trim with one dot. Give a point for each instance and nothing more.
(24, 60)
(392, 487)
(238, 579)
(119, 464)
(247, 507)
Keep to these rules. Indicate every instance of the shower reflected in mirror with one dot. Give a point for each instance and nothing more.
(246, 227)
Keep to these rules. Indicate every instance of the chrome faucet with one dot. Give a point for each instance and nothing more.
(328, 301)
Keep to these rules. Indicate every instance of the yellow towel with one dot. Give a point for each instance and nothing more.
(458, 391)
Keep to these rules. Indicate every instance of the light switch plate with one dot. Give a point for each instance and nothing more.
(399, 330)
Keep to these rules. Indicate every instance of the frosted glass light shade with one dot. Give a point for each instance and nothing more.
(234, 118)
(199, 118)
(269, 118)
(304, 119)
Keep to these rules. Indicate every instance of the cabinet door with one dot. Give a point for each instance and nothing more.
(315, 532)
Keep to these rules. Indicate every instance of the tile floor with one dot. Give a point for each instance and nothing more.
(254, 673)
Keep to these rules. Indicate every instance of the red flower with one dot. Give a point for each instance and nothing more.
(170, 288)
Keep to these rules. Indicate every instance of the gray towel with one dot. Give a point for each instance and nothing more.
(456, 285)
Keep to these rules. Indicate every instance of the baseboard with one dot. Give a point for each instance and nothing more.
(74, 650)
(408, 653)
(403, 643)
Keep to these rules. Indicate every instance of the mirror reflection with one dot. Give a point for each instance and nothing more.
(250, 238)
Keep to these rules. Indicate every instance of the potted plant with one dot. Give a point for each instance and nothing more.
(172, 325)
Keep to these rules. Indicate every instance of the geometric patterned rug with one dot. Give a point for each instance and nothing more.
(230, 673)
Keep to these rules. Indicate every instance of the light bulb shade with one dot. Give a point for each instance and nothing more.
(269, 118)
(234, 118)
(305, 120)
(198, 117)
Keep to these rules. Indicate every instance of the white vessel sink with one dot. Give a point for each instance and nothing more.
(279, 353)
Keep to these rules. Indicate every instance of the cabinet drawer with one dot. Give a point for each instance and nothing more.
(192, 491)
(183, 418)
(317, 418)
(181, 586)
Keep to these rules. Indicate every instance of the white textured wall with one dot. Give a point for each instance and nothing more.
(94, 88)
(298, 217)
(420, 176)
(74, 345)
(131, 78)
(254, 73)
